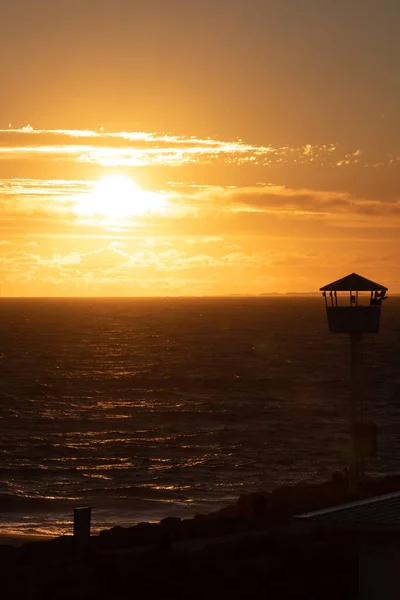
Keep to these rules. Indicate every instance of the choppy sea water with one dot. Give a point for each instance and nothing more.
(143, 408)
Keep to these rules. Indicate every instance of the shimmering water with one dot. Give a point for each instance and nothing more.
(144, 408)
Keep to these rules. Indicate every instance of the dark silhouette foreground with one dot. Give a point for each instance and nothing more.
(248, 550)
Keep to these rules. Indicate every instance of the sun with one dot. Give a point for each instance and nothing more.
(119, 197)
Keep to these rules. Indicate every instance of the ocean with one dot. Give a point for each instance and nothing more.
(146, 408)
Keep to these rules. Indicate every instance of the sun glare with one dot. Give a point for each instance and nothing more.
(119, 197)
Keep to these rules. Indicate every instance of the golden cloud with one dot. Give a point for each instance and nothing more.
(135, 149)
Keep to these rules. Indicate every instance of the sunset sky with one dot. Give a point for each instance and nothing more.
(206, 147)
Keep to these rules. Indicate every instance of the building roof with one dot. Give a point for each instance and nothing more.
(353, 283)
(380, 511)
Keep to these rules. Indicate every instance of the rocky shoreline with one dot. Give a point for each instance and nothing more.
(240, 551)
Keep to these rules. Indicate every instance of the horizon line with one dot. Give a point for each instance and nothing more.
(144, 297)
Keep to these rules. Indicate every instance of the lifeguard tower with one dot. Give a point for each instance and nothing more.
(353, 306)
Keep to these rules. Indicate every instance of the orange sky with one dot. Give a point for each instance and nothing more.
(173, 148)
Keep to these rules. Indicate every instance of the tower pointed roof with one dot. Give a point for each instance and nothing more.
(353, 283)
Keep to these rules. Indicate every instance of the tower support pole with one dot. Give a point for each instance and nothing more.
(356, 409)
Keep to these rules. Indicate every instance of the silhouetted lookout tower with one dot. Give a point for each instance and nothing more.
(353, 306)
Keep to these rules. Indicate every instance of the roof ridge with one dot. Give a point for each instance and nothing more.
(353, 282)
(352, 504)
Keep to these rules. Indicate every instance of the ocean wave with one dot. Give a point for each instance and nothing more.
(146, 492)
(17, 502)
(171, 408)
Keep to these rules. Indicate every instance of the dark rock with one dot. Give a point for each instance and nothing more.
(198, 528)
(216, 526)
(171, 522)
(151, 531)
(227, 512)
(253, 505)
(124, 537)
(175, 527)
